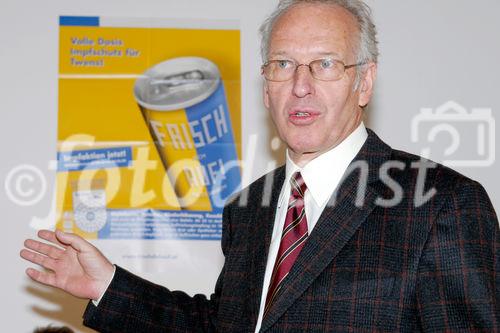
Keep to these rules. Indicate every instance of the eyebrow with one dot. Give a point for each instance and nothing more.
(334, 55)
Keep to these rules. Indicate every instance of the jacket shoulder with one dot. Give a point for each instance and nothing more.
(259, 189)
(425, 173)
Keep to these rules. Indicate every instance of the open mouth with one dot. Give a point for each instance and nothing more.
(301, 114)
(302, 117)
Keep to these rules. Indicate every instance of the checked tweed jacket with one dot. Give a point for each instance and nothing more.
(376, 267)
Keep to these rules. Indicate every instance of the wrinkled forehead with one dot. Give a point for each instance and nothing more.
(315, 29)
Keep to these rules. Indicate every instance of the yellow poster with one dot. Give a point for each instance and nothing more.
(149, 128)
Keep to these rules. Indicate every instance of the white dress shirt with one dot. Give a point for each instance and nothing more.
(322, 176)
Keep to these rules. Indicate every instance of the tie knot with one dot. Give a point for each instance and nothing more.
(298, 185)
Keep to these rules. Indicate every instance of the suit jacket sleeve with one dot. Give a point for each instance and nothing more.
(132, 304)
(458, 279)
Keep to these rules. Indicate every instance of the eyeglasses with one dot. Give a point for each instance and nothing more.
(321, 69)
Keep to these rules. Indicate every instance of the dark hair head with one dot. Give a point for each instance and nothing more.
(54, 329)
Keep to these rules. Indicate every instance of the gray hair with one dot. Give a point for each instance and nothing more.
(367, 50)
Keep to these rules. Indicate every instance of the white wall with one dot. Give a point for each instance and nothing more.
(431, 52)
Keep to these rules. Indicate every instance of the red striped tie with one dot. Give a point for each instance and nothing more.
(292, 240)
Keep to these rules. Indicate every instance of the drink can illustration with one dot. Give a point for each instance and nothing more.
(184, 105)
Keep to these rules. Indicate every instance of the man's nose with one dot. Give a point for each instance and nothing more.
(303, 82)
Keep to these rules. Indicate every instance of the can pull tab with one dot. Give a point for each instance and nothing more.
(182, 81)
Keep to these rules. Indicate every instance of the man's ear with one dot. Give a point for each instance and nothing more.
(366, 83)
(265, 94)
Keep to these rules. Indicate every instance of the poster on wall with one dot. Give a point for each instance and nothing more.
(149, 134)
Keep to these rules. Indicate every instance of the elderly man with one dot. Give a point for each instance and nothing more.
(357, 237)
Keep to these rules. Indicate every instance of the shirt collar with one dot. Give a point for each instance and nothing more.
(323, 174)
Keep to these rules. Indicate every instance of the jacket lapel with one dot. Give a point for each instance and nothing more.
(261, 236)
(336, 225)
